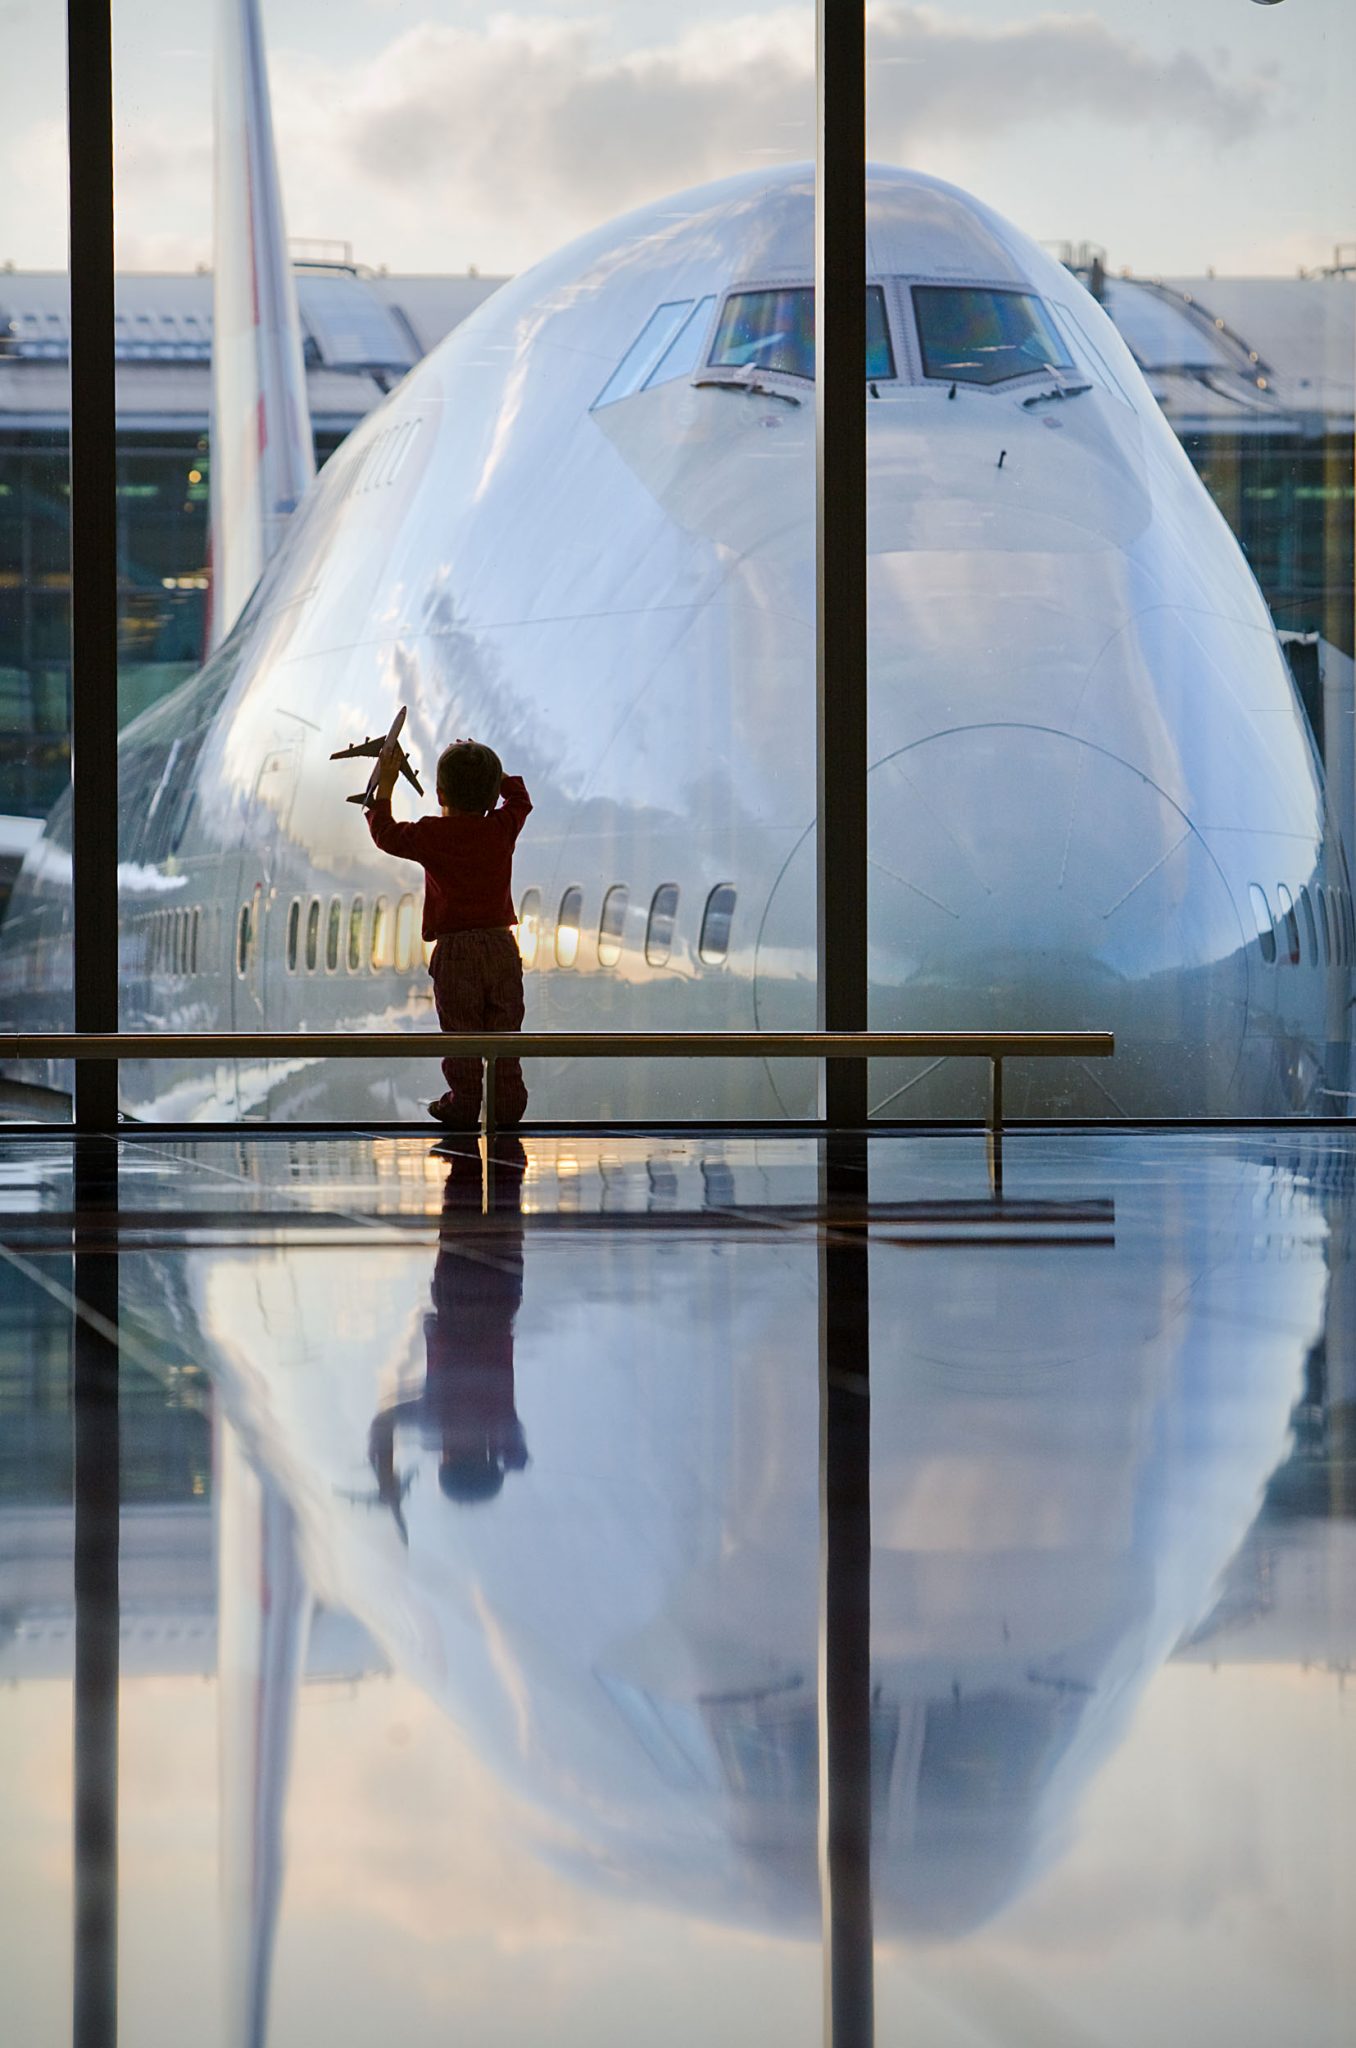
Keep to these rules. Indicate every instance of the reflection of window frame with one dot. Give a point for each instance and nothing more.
(658, 950)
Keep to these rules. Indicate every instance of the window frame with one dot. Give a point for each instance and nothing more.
(355, 949)
(708, 958)
(575, 926)
(334, 934)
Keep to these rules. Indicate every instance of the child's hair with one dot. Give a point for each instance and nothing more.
(469, 776)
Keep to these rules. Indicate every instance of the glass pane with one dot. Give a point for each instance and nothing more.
(1110, 585)
(714, 943)
(333, 934)
(985, 337)
(659, 931)
(35, 568)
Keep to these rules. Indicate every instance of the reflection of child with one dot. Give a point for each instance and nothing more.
(466, 1411)
(467, 858)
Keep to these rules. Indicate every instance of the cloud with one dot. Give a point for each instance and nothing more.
(537, 128)
(495, 143)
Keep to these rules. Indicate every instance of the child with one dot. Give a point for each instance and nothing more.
(467, 858)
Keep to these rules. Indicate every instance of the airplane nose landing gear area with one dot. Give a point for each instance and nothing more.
(1022, 879)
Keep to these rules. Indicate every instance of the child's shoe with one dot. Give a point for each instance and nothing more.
(451, 1116)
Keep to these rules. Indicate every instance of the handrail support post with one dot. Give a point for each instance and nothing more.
(996, 1094)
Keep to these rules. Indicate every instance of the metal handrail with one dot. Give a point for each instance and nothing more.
(994, 1046)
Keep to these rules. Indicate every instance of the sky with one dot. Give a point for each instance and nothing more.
(434, 135)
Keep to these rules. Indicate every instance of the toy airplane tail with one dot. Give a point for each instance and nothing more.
(262, 453)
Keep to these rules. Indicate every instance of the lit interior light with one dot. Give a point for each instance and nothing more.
(195, 476)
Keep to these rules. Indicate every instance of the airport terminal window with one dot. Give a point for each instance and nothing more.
(1266, 930)
(355, 935)
(313, 935)
(714, 942)
(659, 930)
(529, 926)
(611, 925)
(404, 934)
(971, 335)
(775, 330)
(381, 935)
(567, 927)
(1287, 903)
(1310, 929)
(293, 933)
(333, 934)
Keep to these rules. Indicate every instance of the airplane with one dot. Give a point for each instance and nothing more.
(380, 750)
(583, 530)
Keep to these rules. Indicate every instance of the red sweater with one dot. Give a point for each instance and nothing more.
(467, 861)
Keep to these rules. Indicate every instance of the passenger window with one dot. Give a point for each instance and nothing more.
(1310, 928)
(659, 930)
(193, 942)
(313, 935)
(714, 942)
(1266, 930)
(242, 942)
(567, 927)
(1325, 924)
(381, 935)
(529, 926)
(1292, 938)
(971, 335)
(404, 934)
(293, 933)
(612, 924)
(333, 934)
(355, 935)
(1351, 924)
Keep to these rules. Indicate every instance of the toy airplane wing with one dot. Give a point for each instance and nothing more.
(380, 750)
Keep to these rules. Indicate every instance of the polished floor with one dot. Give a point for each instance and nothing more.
(626, 1594)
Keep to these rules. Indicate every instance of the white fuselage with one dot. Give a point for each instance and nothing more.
(1086, 749)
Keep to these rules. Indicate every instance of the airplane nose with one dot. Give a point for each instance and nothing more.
(1023, 879)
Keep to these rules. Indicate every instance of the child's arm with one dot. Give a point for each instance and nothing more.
(514, 803)
(387, 832)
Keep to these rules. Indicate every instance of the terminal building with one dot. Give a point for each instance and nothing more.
(1255, 374)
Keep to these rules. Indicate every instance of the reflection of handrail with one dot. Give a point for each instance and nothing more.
(994, 1046)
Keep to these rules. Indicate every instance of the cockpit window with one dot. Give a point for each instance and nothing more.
(775, 330)
(972, 335)
(663, 327)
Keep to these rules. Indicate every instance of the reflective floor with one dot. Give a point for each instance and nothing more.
(447, 1606)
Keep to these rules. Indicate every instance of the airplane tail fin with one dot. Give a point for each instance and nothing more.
(264, 1613)
(262, 453)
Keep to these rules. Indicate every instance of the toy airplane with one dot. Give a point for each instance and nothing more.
(381, 751)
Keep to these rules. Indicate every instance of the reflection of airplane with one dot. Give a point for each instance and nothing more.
(1065, 1458)
(583, 530)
